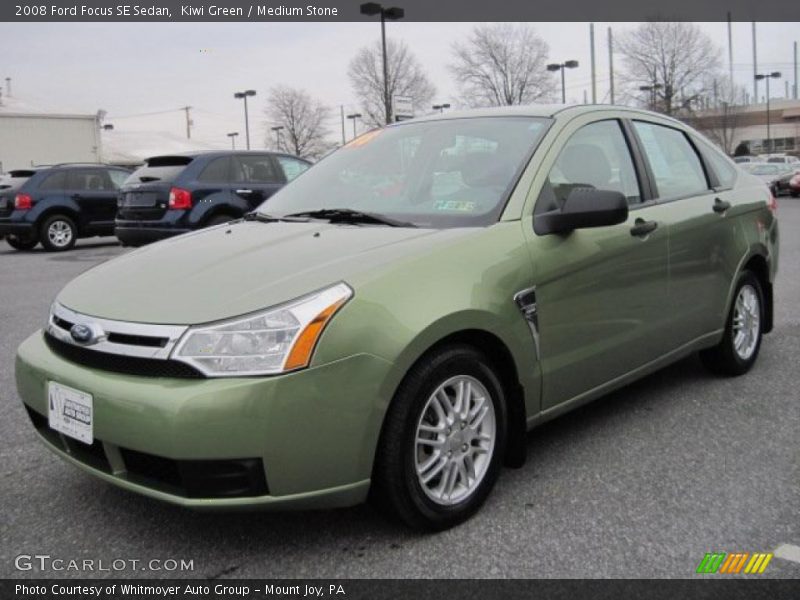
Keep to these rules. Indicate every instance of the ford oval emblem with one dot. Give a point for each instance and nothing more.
(83, 334)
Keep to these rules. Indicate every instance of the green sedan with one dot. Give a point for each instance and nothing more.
(392, 323)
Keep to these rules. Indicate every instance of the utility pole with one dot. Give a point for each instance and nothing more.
(341, 109)
(611, 63)
(186, 109)
(730, 51)
(594, 73)
(755, 67)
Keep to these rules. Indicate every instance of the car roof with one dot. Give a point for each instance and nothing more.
(537, 110)
(213, 154)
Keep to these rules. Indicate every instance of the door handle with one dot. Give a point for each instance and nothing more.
(720, 206)
(642, 228)
(244, 191)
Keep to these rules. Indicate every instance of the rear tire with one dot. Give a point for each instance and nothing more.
(21, 243)
(795, 194)
(58, 233)
(443, 440)
(738, 350)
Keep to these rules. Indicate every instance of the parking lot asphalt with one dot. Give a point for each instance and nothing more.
(641, 483)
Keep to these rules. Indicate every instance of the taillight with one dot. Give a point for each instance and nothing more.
(23, 202)
(180, 198)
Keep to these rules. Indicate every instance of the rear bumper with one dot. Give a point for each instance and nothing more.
(138, 236)
(18, 228)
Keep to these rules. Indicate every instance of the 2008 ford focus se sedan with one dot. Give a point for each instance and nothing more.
(391, 323)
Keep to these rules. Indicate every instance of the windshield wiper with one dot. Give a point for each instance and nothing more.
(348, 215)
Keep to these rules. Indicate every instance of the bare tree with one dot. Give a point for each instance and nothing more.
(406, 78)
(676, 61)
(303, 120)
(721, 121)
(502, 64)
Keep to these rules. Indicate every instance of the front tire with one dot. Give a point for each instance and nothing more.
(738, 350)
(58, 233)
(443, 440)
(21, 243)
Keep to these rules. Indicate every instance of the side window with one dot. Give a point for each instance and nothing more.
(54, 181)
(257, 169)
(676, 167)
(292, 167)
(596, 156)
(722, 167)
(89, 180)
(217, 171)
(117, 177)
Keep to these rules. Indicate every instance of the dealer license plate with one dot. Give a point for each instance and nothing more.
(70, 412)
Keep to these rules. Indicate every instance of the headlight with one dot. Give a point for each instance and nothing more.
(276, 340)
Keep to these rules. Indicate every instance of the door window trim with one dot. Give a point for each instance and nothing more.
(654, 185)
(637, 160)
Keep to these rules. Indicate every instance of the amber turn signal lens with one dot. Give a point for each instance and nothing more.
(300, 354)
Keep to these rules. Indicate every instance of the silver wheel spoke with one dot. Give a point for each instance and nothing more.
(454, 441)
(746, 322)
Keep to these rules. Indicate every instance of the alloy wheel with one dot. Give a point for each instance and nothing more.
(746, 322)
(59, 233)
(455, 440)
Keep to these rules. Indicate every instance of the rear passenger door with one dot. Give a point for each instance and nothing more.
(701, 232)
(256, 177)
(96, 194)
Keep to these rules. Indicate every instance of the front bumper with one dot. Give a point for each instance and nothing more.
(315, 431)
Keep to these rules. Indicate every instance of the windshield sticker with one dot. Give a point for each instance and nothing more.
(455, 205)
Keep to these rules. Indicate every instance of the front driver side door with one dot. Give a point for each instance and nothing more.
(601, 293)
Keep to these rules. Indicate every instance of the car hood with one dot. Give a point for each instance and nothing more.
(239, 268)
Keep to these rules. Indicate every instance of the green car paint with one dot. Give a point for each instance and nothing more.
(610, 307)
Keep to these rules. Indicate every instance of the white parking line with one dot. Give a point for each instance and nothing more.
(788, 552)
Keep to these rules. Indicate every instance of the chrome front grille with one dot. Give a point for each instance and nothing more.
(124, 338)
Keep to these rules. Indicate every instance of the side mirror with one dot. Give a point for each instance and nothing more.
(584, 207)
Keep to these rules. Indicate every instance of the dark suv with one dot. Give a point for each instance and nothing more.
(59, 204)
(174, 194)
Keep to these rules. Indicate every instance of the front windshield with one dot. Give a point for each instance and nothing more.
(448, 173)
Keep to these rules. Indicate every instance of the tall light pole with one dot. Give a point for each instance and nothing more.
(441, 107)
(277, 129)
(354, 116)
(233, 135)
(569, 64)
(243, 96)
(652, 89)
(393, 14)
(767, 77)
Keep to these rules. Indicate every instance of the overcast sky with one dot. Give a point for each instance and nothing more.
(129, 69)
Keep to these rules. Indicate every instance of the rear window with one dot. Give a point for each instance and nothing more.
(160, 168)
(12, 183)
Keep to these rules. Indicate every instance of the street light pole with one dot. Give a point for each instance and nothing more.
(233, 135)
(354, 116)
(767, 77)
(277, 129)
(243, 96)
(569, 64)
(441, 107)
(394, 13)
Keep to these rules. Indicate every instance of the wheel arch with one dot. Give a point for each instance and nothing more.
(59, 209)
(757, 264)
(499, 353)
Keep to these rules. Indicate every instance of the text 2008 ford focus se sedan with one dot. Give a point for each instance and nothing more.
(393, 321)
